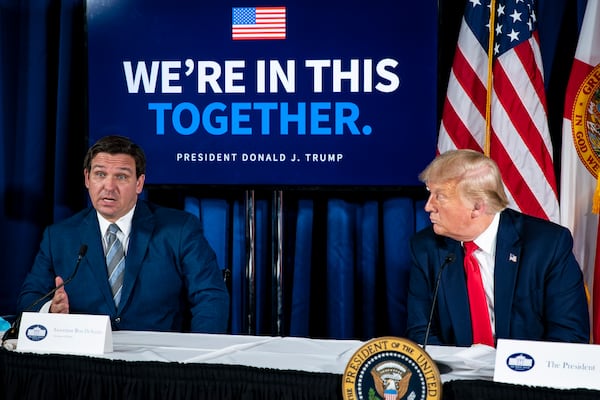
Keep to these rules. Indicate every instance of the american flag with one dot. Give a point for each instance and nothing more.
(509, 122)
(258, 23)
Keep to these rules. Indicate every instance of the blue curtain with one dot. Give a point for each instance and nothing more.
(345, 263)
(344, 253)
(42, 128)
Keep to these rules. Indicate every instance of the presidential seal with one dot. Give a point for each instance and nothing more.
(586, 122)
(391, 368)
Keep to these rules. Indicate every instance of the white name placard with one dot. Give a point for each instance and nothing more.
(80, 334)
(550, 364)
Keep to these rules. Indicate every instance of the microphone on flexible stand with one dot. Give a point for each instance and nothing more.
(449, 259)
(12, 332)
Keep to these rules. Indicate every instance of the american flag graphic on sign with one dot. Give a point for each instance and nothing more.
(258, 23)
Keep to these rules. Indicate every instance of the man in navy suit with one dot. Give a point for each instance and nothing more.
(533, 284)
(170, 281)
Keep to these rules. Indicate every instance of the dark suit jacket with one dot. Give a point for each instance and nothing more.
(539, 291)
(170, 272)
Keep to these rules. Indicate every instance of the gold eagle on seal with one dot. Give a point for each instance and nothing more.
(390, 377)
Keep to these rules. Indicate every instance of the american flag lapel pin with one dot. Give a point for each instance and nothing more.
(512, 258)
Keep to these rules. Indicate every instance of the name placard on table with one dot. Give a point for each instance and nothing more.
(549, 364)
(80, 334)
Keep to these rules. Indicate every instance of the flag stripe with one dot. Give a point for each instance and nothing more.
(527, 127)
(523, 127)
(579, 71)
(466, 106)
(577, 183)
(520, 140)
(458, 135)
(467, 78)
(511, 175)
(535, 74)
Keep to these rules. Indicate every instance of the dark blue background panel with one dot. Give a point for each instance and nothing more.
(346, 98)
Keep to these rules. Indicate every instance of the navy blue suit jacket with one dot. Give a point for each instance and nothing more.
(171, 272)
(539, 291)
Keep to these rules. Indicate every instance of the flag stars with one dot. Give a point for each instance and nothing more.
(514, 21)
(500, 10)
(516, 16)
(498, 29)
(513, 35)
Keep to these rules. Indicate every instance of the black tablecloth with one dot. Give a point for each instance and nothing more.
(32, 376)
(41, 377)
(487, 390)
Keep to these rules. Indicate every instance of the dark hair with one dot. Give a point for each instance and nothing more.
(117, 145)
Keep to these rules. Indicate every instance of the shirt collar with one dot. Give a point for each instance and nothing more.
(487, 240)
(124, 223)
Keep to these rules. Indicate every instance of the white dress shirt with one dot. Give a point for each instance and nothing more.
(485, 255)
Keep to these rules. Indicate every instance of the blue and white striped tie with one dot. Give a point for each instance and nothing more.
(115, 262)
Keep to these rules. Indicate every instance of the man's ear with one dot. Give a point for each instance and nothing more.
(477, 209)
(139, 185)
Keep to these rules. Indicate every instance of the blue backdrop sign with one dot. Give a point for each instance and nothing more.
(302, 92)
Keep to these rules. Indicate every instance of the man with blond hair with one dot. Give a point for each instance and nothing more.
(502, 274)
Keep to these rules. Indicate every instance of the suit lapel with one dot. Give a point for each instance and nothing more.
(508, 256)
(94, 259)
(142, 227)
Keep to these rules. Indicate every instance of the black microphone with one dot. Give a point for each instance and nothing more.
(12, 332)
(449, 258)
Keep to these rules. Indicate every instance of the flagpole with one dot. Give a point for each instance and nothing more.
(488, 103)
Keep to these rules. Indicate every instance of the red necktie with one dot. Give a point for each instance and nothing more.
(480, 317)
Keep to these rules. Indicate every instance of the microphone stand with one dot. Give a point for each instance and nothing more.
(449, 258)
(12, 332)
(443, 368)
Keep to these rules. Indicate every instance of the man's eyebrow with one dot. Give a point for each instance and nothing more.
(124, 169)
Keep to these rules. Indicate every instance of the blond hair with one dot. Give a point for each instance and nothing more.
(475, 176)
